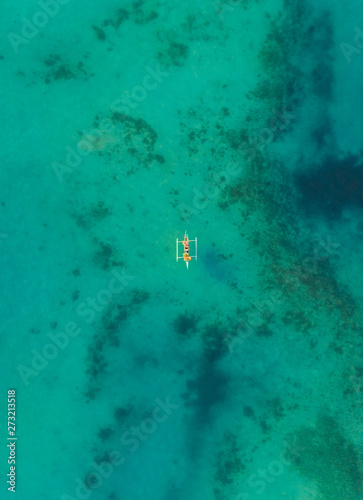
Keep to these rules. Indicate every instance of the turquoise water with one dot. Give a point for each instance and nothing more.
(124, 125)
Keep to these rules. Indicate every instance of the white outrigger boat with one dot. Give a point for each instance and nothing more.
(185, 244)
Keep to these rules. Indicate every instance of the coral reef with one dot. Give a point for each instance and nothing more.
(329, 459)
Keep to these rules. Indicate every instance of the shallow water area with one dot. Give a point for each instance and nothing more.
(125, 125)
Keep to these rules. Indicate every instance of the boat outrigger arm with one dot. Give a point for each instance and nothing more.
(185, 244)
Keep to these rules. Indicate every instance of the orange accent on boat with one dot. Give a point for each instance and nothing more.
(185, 244)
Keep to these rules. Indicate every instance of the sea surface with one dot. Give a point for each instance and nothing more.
(125, 125)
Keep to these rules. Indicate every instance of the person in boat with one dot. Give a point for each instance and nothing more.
(186, 244)
(186, 248)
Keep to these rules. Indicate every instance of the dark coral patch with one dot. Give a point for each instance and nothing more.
(121, 413)
(101, 35)
(206, 391)
(185, 324)
(335, 185)
(105, 433)
(173, 53)
(58, 68)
